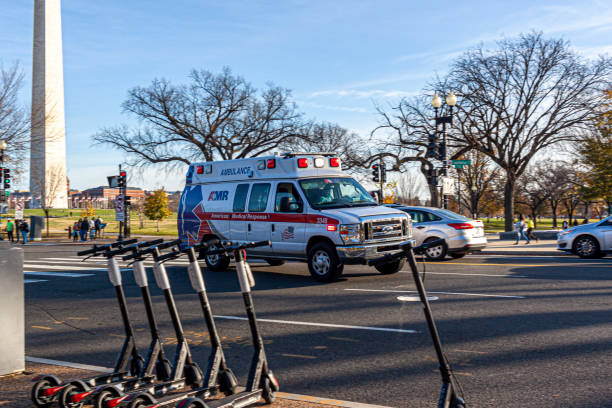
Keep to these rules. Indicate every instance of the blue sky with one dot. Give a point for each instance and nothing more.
(339, 58)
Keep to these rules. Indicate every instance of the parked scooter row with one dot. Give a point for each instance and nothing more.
(153, 381)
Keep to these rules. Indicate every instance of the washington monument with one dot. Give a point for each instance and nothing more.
(48, 184)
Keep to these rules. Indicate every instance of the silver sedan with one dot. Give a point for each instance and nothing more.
(461, 234)
(588, 240)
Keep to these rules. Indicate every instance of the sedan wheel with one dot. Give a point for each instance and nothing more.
(586, 247)
(435, 253)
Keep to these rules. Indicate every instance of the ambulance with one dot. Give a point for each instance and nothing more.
(303, 203)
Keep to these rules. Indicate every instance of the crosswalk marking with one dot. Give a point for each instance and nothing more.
(64, 275)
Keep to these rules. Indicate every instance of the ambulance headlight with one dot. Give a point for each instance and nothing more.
(351, 233)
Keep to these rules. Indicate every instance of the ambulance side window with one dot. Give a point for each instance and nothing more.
(259, 197)
(240, 197)
(287, 199)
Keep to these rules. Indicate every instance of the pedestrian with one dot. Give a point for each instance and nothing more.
(23, 227)
(10, 227)
(102, 226)
(75, 230)
(519, 227)
(92, 229)
(530, 227)
(97, 227)
(565, 224)
(84, 229)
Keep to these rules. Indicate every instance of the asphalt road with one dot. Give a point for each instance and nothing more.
(518, 331)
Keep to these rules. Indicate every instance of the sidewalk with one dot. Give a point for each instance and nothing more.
(495, 246)
(15, 389)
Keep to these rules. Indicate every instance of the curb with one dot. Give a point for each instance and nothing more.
(283, 395)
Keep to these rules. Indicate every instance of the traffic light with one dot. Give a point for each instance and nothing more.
(383, 174)
(121, 180)
(375, 173)
(442, 151)
(6, 178)
(432, 177)
(432, 146)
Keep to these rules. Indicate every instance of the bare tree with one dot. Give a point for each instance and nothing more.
(213, 117)
(14, 118)
(526, 95)
(477, 181)
(410, 187)
(552, 178)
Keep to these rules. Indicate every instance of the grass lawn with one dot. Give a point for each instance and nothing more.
(496, 225)
(60, 220)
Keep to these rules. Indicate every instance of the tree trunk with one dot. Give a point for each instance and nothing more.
(553, 207)
(47, 218)
(433, 192)
(509, 203)
(157, 225)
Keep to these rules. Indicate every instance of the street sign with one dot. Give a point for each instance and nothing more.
(448, 185)
(458, 166)
(462, 162)
(19, 210)
(119, 209)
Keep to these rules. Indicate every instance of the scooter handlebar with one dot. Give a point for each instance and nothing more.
(135, 246)
(201, 246)
(101, 248)
(151, 249)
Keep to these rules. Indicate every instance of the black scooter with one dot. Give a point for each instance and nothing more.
(155, 360)
(449, 397)
(185, 371)
(48, 388)
(217, 375)
(261, 382)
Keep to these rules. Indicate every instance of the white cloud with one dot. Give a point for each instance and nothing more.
(362, 94)
(331, 107)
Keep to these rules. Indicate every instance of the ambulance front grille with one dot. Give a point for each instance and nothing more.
(385, 229)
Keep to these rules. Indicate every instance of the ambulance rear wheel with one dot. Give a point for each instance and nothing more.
(274, 262)
(217, 263)
(323, 262)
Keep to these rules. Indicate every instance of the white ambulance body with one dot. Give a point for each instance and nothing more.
(303, 203)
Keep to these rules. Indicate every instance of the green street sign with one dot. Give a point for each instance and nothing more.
(458, 166)
(462, 162)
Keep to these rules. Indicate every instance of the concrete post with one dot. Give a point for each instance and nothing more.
(12, 341)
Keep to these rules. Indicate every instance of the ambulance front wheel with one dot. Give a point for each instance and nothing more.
(217, 263)
(323, 262)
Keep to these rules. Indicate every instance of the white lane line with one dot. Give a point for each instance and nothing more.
(471, 274)
(68, 268)
(60, 274)
(34, 280)
(341, 326)
(439, 293)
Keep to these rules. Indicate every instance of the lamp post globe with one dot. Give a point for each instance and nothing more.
(436, 102)
(3, 144)
(451, 99)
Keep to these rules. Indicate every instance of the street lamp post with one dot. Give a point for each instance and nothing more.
(436, 102)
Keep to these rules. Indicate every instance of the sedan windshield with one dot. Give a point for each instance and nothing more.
(335, 192)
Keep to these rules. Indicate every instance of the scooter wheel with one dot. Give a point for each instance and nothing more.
(142, 400)
(163, 370)
(227, 382)
(192, 403)
(137, 366)
(72, 388)
(268, 393)
(105, 395)
(37, 394)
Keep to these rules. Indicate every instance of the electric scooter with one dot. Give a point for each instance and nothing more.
(155, 360)
(261, 382)
(47, 388)
(449, 397)
(185, 371)
(217, 375)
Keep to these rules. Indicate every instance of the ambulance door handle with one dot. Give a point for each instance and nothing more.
(272, 227)
(249, 227)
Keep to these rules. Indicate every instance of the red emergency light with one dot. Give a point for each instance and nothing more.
(334, 162)
(302, 163)
(271, 163)
(200, 169)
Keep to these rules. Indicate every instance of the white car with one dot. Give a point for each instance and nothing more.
(461, 235)
(588, 240)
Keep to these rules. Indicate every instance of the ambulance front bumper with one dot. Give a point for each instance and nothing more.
(361, 254)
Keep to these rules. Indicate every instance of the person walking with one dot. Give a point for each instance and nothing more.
(24, 229)
(75, 230)
(565, 224)
(84, 229)
(10, 227)
(530, 227)
(97, 227)
(92, 229)
(519, 227)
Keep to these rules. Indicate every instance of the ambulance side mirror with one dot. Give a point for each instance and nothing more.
(287, 206)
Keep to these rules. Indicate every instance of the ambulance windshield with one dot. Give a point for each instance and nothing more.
(335, 192)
